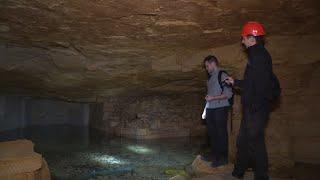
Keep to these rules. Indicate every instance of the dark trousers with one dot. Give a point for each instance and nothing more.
(251, 146)
(218, 133)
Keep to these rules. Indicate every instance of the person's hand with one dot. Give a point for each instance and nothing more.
(229, 80)
(209, 98)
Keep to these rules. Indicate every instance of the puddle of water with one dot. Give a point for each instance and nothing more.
(80, 153)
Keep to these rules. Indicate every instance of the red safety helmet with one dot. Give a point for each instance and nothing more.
(253, 28)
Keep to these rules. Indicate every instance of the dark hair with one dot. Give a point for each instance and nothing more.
(211, 59)
(259, 39)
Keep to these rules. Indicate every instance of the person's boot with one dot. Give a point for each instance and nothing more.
(237, 175)
(220, 162)
(261, 177)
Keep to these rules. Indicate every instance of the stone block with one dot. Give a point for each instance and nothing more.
(18, 161)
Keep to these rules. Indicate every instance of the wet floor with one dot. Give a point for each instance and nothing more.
(81, 153)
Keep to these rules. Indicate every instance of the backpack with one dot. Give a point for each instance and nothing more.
(223, 84)
(275, 89)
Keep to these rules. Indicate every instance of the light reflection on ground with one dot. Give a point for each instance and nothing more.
(140, 149)
(105, 159)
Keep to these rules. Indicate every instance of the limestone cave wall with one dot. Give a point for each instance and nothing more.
(152, 116)
(17, 112)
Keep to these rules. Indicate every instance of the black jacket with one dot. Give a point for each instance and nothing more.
(256, 85)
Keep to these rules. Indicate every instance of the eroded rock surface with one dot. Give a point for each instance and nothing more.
(81, 50)
(151, 117)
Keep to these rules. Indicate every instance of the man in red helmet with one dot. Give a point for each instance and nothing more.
(256, 89)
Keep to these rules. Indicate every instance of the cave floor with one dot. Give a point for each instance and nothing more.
(301, 171)
(82, 153)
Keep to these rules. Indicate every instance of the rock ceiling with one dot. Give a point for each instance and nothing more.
(83, 50)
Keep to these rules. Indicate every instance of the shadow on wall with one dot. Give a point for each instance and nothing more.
(20, 112)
